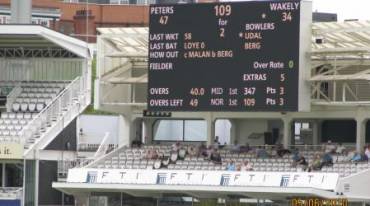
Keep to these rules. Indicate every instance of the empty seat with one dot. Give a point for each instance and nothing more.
(24, 107)
(39, 107)
(16, 106)
(19, 116)
(32, 107)
(27, 116)
(4, 115)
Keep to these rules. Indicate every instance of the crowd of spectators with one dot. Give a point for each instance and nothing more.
(211, 153)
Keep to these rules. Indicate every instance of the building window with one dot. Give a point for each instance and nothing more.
(180, 130)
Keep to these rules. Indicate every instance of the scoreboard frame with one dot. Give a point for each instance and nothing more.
(303, 95)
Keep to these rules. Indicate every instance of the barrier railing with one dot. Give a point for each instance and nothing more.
(104, 145)
(54, 113)
(65, 165)
(12, 96)
(11, 192)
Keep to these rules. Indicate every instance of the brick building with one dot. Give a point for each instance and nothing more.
(70, 18)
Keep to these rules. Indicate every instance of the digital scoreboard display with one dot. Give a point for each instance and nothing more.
(234, 56)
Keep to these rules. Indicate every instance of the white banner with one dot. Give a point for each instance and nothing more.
(325, 181)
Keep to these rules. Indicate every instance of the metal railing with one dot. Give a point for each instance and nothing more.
(65, 165)
(103, 147)
(12, 96)
(11, 192)
(90, 147)
(53, 113)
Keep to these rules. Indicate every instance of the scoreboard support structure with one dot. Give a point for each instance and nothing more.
(305, 31)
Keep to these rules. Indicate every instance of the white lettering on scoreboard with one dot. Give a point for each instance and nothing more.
(325, 181)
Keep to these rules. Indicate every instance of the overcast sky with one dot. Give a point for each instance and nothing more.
(346, 9)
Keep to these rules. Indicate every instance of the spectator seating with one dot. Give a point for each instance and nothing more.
(33, 98)
(134, 158)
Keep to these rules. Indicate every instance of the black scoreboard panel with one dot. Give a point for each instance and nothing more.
(235, 56)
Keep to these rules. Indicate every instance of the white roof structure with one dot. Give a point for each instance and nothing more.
(128, 42)
(338, 37)
(350, 39)
(21, 37)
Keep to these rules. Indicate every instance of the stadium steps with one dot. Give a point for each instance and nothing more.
(55, 117)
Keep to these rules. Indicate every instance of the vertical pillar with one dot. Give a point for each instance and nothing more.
(210, 129)
(82, 199)
(125, 130)
(287, 136)
(315, 132)
(148, 131)
(360, 133)
(3, 178)
(37, 175)
(233, 129)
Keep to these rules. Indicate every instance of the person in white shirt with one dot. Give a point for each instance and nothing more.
(340, 149)
(246, 166)
(175, 147)
(367, 152)
(330, 147)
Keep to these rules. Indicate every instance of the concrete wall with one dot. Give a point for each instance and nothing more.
(244, 128)
(95, 126)
(47, 195)
(68, 134)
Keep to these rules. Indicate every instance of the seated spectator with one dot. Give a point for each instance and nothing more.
(281, 151)
(151, 154)
(245, 149)
(364, 157)
(175, 147)
(182, 153)
(208, 152)
(356, 157)
(316, 163)
(223, 146)
(235, 148)
(192, 152)
(231, 166)
(157, 164)
(367, 151)
(202, 150)
(165, 162)
(246, 166)
(296, 155)
(349, 155)
(272, 151)
(238, 167)
(216, 157)
(330, 147)
(302, 162)
(262, 153)
(216, 143)
(340, 149)
(136, 143)
(327, 160)
(174, 156)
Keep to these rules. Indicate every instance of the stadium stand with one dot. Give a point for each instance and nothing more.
(44, 86)
(339, 112)
(136, 158)
(336, 81)
(33, 97)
